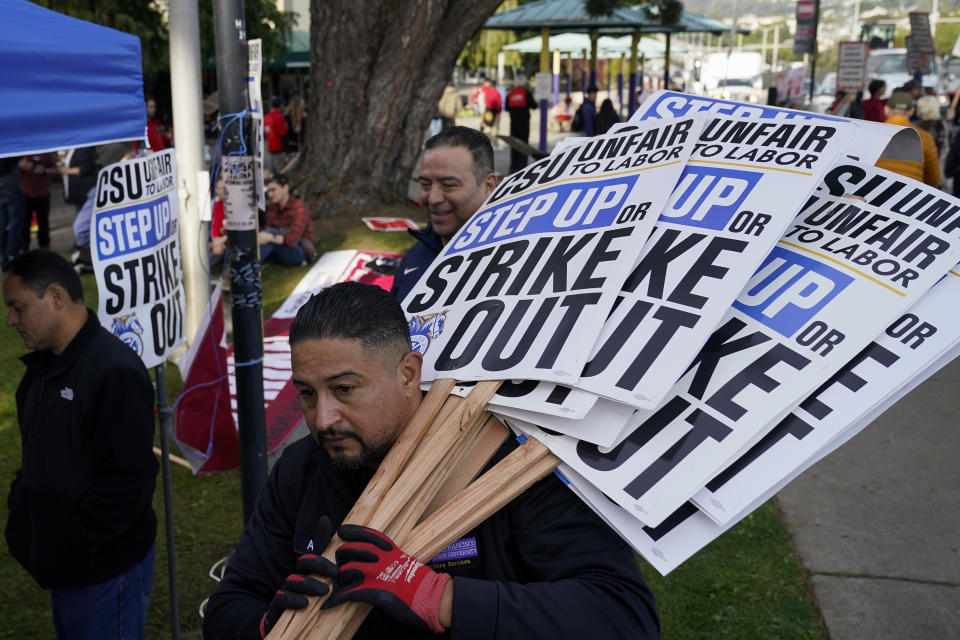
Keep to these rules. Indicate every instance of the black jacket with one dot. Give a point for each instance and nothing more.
(416, 262)
(544, 566)
(85, 158)
(81, 504)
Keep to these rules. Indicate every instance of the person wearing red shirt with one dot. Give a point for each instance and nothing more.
(156, 134)
(274, 131)
(287, 236)
(492, 106)
(873, 106)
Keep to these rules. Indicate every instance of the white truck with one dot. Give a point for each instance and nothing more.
(737, 76)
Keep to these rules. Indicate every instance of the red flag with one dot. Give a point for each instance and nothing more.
(205, 430)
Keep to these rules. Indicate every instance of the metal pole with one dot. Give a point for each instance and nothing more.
(240, 218)
(813, 54)
(775, 65)
(544, 68)
(187, 95)
(164, 413)
(666, 64)
(594, 35)
(632, 98)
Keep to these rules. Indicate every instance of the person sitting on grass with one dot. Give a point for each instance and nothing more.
(287, 236)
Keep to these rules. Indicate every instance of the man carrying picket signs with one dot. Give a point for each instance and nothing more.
(544, 566)
(81, 517)
(456, 176)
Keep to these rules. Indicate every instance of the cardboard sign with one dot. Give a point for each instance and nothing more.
(239, 193)
(852, 66)
(799, 320)
(921, 39)
(255, 105)
(878, 140)
(805, 38)
(390, 224)
(543, 86)
(135, 247)
(520, 291)
(687, 530)
(795, 79)
(723, 217)
(907, 347)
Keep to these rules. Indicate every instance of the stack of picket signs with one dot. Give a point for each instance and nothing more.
(680, 316)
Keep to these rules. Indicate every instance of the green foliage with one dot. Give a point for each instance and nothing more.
(482, 49)
(263, 20)
(148, 21)
(665, 11)
(946, 37)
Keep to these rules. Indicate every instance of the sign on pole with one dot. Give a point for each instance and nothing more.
(135, 246)
(805, 38)
(921, 38)
(543, 89)
(852, 66)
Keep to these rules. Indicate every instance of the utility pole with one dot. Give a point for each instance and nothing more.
(237, 169)
(187, 95)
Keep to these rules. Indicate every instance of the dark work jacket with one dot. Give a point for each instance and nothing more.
(416, 262)
(544, 566)
(79, 186)
(81, 504)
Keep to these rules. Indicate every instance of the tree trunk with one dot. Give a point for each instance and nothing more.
(377, 71)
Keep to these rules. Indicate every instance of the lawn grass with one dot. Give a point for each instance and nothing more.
(747, 584)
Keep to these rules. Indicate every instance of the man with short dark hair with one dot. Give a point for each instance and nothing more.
(287, 236)
(81, 517)
(456, 176)
(873, 106)
(544, 566)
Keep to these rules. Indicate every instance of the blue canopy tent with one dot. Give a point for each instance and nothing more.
(66, 82)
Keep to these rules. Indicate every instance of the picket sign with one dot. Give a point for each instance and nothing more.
(688, 530)
(519, 291)
(796, 323)
(765, 143)
(135, 249)
(905, 349)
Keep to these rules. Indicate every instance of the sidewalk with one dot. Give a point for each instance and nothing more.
(877, 523)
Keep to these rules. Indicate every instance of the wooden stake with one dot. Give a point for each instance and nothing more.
(521, 469)
(487, 442)
(404, 503)
(291, 623)
(473, 458)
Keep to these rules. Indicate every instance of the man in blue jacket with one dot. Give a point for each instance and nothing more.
(544, 566)
(81, 517)
(456, 176)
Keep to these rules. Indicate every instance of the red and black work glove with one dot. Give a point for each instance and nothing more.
(374, 570)
(292, 595)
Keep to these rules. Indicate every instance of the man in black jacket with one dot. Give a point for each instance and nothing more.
(544, 566)
(456, 176)
(81, 517)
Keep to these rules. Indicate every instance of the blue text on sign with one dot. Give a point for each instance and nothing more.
(708, 197)
(131, 229)
(564, 207)
(789, 289)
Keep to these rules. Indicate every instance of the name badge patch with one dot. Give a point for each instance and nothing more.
(462, 549)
